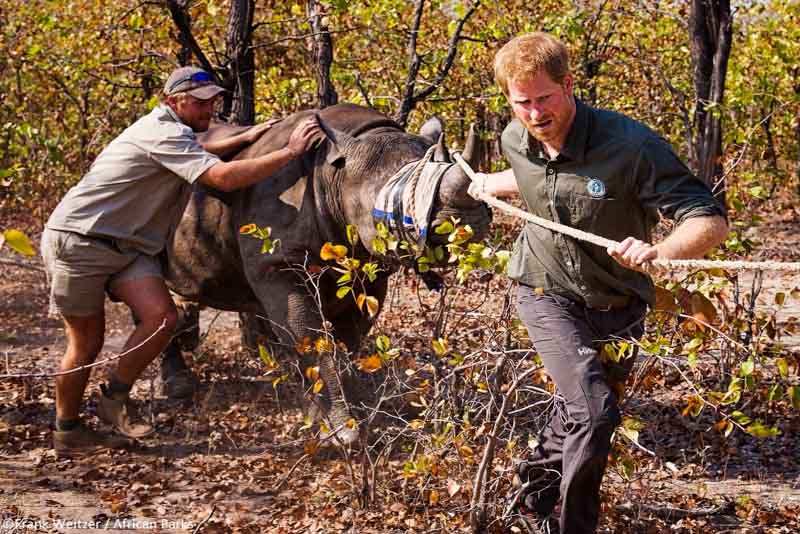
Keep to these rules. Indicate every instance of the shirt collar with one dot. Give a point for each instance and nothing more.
(169, 112)
(577, 139)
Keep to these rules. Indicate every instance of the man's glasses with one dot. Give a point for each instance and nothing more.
(201, 76)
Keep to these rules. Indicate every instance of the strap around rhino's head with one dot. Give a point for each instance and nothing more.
(341, 142)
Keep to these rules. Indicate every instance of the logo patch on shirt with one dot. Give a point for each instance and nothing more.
(596, 188)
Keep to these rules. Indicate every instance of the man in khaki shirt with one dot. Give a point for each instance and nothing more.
(607, 174)
(106, 232)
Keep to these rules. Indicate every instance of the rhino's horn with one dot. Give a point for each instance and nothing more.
(472, 152)
(340, 142)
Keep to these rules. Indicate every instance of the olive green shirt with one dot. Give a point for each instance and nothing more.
(612, 178)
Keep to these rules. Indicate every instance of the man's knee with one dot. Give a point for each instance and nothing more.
(164, 316)
(603, 423)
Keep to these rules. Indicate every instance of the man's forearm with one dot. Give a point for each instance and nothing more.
(228, 145)
(502, 184)
(232, 175)
(693, 238)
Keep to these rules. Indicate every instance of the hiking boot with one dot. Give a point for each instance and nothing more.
(536, 525)
(120, 414)
(83, 441)
(178, 385)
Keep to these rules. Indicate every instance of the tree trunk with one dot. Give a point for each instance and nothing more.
(189, 46)
(322, 52)
(710, 27)
(239, 104)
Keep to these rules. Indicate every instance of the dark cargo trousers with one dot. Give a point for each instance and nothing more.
(573, 448)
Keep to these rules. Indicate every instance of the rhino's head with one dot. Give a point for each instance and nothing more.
(367, 163)
(452, 199)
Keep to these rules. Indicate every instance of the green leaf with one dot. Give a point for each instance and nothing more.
(445, 228)
(775, 392)
(758, 430)
(343, 291)
(747, 367)
(741, 418)
(346, 277)
(19, 242)
(383, 232)
(783, 367)
(794, 396)
(379, 246)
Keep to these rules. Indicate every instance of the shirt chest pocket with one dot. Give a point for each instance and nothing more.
(588, 199)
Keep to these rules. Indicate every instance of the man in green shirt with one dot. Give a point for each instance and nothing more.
(106, 233)
(607, 174)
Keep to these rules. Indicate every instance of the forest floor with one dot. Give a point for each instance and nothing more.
(233, 459)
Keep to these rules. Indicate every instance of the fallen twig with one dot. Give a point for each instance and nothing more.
(280, 484)
(23, 264)
(204, 521)
(670, 512)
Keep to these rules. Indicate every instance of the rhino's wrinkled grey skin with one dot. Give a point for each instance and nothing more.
(306, 203)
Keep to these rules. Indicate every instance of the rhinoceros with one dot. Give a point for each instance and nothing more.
(307, 203)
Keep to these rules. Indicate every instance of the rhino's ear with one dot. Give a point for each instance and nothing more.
(472, 148)
(442, 153)
(432, 129)
(340, 142)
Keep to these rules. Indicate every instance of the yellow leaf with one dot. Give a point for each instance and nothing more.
(352, 234)
(351, 423)
(433, 498)
(318, 385)
(312, 373)
(307, 423)
(417, 424)
(466, 451)
(323, 344)
(372, 306)
(440, 346)
(19, 242)
(369, 364)
(248, 229)
(332, 252)
(360, 301)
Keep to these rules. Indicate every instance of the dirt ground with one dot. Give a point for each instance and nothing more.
(220, 462)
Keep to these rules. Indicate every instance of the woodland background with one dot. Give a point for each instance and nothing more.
(707, 443)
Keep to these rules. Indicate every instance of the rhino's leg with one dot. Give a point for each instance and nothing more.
(292, 307)
(177, 380)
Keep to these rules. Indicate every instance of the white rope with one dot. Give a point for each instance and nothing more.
(580, 235)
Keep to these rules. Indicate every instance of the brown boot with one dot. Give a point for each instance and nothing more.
(120, 413)
(83, 441)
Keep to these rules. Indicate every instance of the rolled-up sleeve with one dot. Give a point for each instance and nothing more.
(183, 155)
(664, 183)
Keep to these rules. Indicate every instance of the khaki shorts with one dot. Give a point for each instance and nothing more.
(81, 269)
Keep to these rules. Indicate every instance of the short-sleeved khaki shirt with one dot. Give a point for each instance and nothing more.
(132, 192)
(612, 178)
